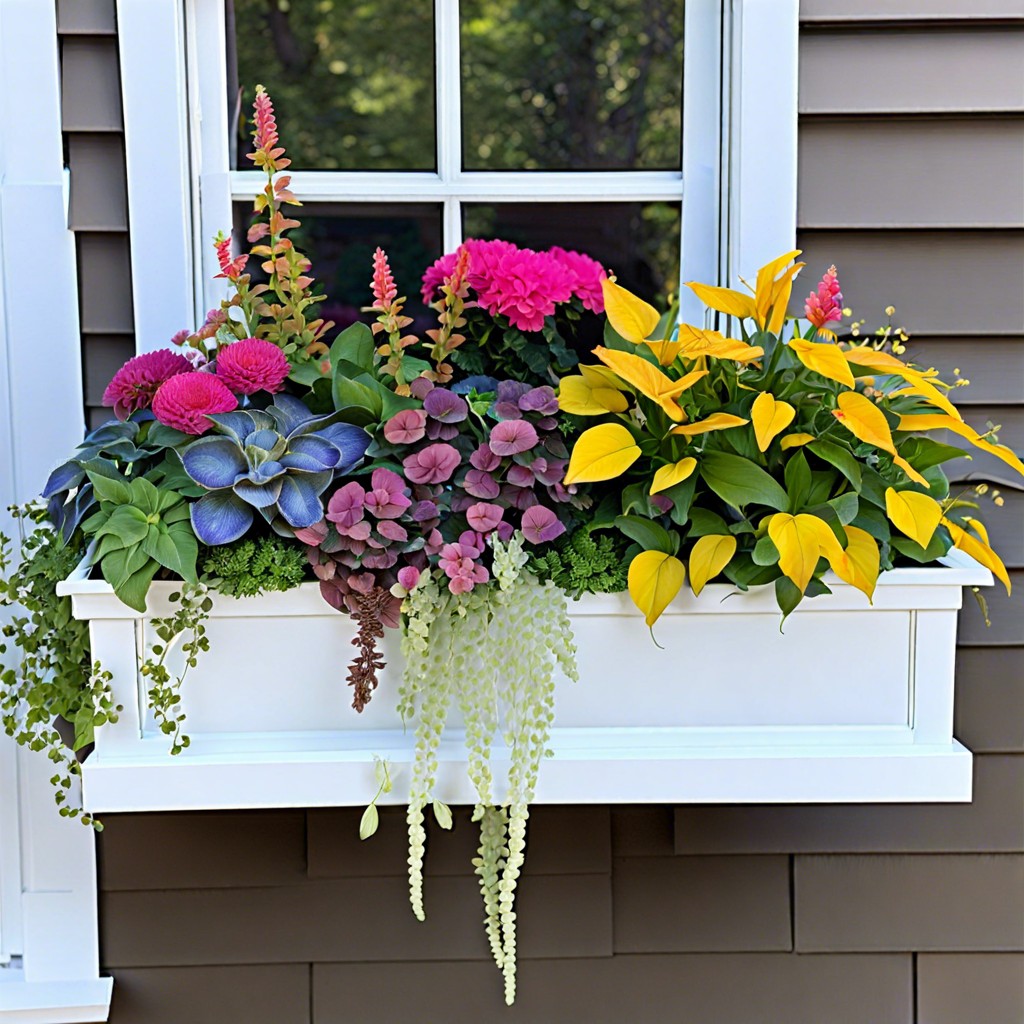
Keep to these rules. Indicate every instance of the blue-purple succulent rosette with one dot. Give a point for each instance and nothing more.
(276, 462)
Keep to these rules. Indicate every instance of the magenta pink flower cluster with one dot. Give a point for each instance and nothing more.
(826, 304)
(183, 396)
(521, 284)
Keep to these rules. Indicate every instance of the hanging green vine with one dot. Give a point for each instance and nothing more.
(48, 674)
(500, 648)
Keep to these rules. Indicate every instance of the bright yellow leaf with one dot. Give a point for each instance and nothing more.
(773, 289)
(920, 381)
(710, 555)
(716, 421)
(631, 317)
(862, 561)
(665, 351)
(578, 396)
(669, 476)
(823, 358)
(654, 580)
(601, 376)
(979, 551)
(695, 342)
(828, 544)
(649, 380)
(725, 300)
(913, 513)
(864, 420)
(978, 527)
(795, 441)
(939, 422)
(798, 539)
(770, 418)
(601, 453)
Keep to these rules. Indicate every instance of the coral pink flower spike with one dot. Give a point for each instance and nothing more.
(383, 284)
(826, 304)
(186, 400)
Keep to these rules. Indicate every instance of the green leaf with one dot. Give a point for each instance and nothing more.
(413, 367)
(369, 822)
(842, 458)
(703, 522)
(353, 345)
(739, 482)
(923, 453)
(648, 534)
(393, 403)
(745, 573)
(442, 814)
(162, 436)
(637, 498)
(788, 596)
(938, 546)
(109, 489)
(133, 591)
(847, 506)
(798, 480)
(682, 498)
(875, 522)
(306, 374)
(349, 394)
(127, 524)
(144, 495)
(765, 552)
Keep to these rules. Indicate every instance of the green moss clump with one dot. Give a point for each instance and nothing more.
(250, 567)
(584, 564)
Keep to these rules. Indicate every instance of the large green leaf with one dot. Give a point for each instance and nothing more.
(739, 482)
(353, 345)
(108, 488)
(842, 458)
(798, 481)
(648, 534)
(703, 522)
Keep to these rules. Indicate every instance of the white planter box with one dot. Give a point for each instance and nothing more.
(853, 703)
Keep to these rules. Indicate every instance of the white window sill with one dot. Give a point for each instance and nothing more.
(53, 1002)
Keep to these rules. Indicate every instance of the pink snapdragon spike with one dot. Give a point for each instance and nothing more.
(825, 305)
(134, 385)
(540, 525)
(229, 268)
(187, 399)
(383, 283)
(252, 365)
(266, 122)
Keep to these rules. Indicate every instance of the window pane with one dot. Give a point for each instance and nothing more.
(638, 242)
(339, 239)
(352, 82)
(572, 84)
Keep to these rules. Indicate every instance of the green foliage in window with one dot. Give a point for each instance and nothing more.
(250, 567)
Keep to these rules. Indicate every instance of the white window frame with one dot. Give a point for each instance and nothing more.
(49, 939)
(737, 184)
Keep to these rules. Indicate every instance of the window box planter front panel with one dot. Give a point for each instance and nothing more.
(852, 703)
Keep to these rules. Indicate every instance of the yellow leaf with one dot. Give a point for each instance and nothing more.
(979, 551)
(649, 380)
(824, 359)
(601, 453)
(770, 418)
(665, 351)
(578, 396)
(914, 514)
(882, 362)
(864, 420)
(910, 471)
(774, 287)
(725, 300)
(601, 376)
(669, 476)
(862, 561)
(799, 542)
(795, 441)
(978, 527)
(716, 421)
(710, 555)
(695, 342)
(828, 544)
(654, 580)
(631, 317)
(933, 422)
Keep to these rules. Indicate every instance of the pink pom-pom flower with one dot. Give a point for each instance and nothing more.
(825, 305)
(252, 365)
(185, 400)
(135, 384)
(587, 275)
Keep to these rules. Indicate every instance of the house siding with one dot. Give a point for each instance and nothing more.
(911, 162)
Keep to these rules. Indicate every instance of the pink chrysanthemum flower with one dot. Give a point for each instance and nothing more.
(137, 381)
(252, 365)
(383, 284)
(587, 276)
(435, 275)
(826, 304)
(185, 400)
(526, 286)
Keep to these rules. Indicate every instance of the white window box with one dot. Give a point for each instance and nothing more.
(853, 703)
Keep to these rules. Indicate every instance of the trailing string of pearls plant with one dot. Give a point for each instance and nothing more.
(496, 652)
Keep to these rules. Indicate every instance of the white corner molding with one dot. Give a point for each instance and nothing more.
(151, 36)
(49, 949)
(763, 48)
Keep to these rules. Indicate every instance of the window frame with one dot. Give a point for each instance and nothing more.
(739, 101)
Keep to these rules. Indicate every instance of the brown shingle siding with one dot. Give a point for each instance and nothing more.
(837, 12)
(758, 988)
(91, 85)
(990, 699)
(104, 277)
(994, 366)
(921, 903)
(99, 191)
(701, 904)
(1005, 617)
(86, 17)
(912, 71)
(984, 987)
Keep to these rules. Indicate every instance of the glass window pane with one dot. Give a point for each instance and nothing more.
(572, 84)
(339, 239)
(638, 242)
(352, 82)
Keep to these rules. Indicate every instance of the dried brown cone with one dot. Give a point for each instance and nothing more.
(367, 610)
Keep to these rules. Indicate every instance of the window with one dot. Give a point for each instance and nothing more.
(618, 127)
